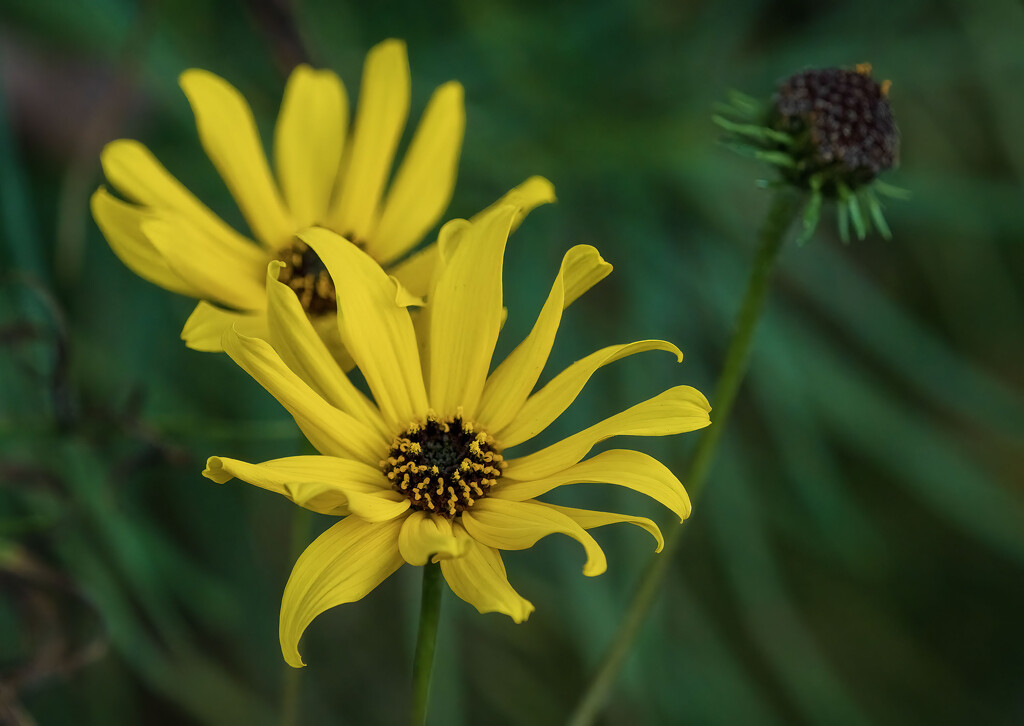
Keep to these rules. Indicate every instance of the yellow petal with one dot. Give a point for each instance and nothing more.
(549, 402)
(136, 174)
(231, 277)
(451, 234)
(417, 272)
(121, 225)
(308, 142)
(343, 565)
(300, 347)
(228, 133)
(465, 315)
(422, 270)
(423, 185)
(589, 519)
(380, 506)
(324, 484)
(434, 264)
(403, 297)
(377, 332)
(622, 467)
(425, 535)
(585, 269)
(510, 384)
(479, 578)
(519, 525)
(326, 326)
(380, 117)
(207, 324)
(331, 431)
(526, 197)
(675, 411)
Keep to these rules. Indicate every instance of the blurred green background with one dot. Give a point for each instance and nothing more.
(858, 556)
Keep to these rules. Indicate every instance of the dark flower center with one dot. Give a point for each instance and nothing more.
(305, 273)
(443, 465)
(843, 120)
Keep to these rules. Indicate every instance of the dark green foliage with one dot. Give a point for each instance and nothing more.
(858, 557)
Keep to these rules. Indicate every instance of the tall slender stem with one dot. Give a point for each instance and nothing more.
(780, 216)
(426, 639)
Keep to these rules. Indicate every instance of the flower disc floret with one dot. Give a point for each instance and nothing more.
(306, 274)
(443, 466)
(845, 121)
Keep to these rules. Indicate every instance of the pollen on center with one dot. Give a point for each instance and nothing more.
(444, 466)
(305, 273)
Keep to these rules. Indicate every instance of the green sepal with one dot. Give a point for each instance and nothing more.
(859, 225)
(891, 191)
(754, 131)
(777, 158)
(811, 213)
(877, 215)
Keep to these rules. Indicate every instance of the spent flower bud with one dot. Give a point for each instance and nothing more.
(829, 132)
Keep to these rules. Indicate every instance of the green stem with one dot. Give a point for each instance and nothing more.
(291, 686)
(783, 212)
(426, 639)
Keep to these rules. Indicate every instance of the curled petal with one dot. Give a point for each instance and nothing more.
(377, 331)
(519, 525)
(324, 484)
(342, 565)
(549, 402)
(204, 330)
(622, 467)
(526, 197)
(424, 535)
(508, 387)
(675, 411)
(301, 348)
(331, 431)
(417, 272)
(589, 519)
(479, 578)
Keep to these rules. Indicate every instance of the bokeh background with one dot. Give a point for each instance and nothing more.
(857, 557)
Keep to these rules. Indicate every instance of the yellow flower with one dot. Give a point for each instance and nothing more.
(325, 177)
(421, 474)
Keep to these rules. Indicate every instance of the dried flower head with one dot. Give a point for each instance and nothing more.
(829, 132)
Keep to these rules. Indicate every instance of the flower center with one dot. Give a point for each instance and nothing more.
(305, 273)
(846, 122)
(443, 465)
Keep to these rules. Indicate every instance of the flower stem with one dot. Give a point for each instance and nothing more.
(780, 217)
(426, 639)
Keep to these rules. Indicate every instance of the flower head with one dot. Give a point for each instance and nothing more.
(324, 176)
(423, 472)
(828, 131)
(842, 125)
